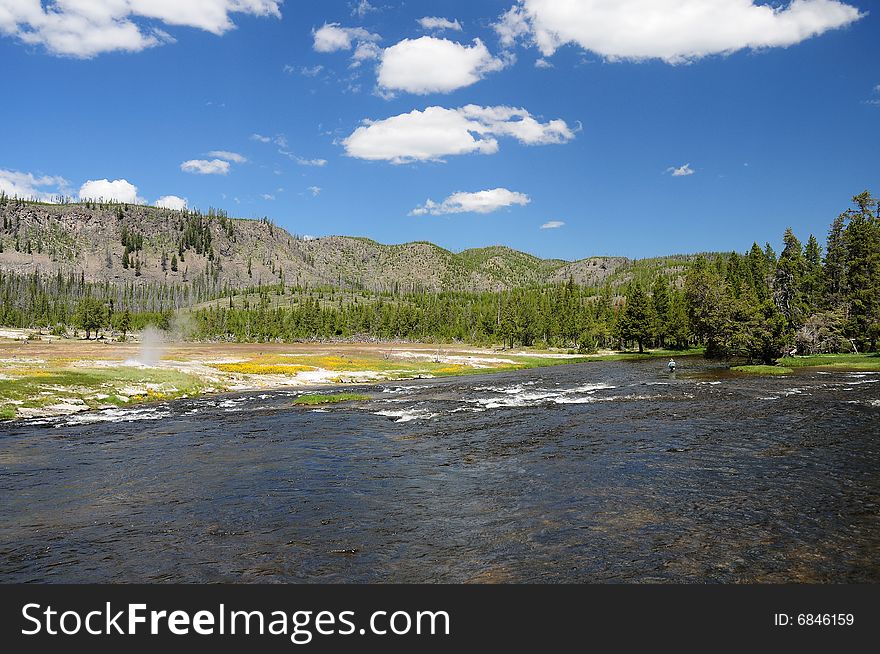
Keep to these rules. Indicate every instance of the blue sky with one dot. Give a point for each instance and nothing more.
(687, 136)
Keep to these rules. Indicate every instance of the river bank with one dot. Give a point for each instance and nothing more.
(49, 377)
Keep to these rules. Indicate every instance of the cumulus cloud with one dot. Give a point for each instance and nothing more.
(205, 167)
(86, 28)
(225, 155)
(553, 224)
(479, 202)
(434, 23)
(171, 202)
(119, 190)
(512, 26)
(29, 186)
(333, 37)
(675, 31)
(681, 171)
(437, 132)
(432, 65)
(314, 190)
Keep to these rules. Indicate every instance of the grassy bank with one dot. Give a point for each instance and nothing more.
(70, 376)
(787, 365)
(857, 362)
(44, 390)
(763, 370)
(337, 398)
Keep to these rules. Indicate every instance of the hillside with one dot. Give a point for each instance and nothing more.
(173, 247)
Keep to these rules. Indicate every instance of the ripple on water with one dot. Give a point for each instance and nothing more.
(116, 415)
(408, 415)
(685, 483)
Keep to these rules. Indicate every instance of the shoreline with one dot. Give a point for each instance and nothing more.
(62, 377)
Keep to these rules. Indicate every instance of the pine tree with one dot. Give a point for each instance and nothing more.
(813, 281)
(835, 262)
(862, 287)
(759, 272)
(788, 281)
(637, 319)
(661, 302)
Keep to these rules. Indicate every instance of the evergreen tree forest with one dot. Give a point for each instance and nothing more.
(757, 305)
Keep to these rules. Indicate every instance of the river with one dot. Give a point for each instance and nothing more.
(598, 472)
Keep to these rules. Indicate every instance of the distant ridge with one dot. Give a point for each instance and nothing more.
(89, 239)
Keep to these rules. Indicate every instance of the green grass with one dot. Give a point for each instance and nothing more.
(317, 399)
(865, 362)
(763, 370)
(35, 388)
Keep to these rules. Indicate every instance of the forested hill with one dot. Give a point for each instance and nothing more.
(139, 245)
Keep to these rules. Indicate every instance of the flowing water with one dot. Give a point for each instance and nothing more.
(601, 472)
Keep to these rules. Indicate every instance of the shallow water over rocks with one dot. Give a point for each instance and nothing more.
(600, 472)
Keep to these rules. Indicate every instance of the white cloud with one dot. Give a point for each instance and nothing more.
(434, 23)
(318, 163)
(512, 26)
(267, 196)
(314, 71)
(86, 28)
(261, 138)
(119, 190)
(543, 63)
(29, 186)
(553, 224)
(332, 37)
(681, 171)
(675, 31)
(233, 157)
(479, 202)
(171, 202)
(364, 52)
(437, 132)
(205, 167)
(302, 161)
(314, 190)
(363, 8)
(432, 65)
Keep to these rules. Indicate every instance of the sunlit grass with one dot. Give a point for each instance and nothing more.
(866, 362)
(763, 370)
(317, 399)
(117, 386)
(253, 368)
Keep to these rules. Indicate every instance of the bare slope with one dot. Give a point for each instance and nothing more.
(90, 240)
